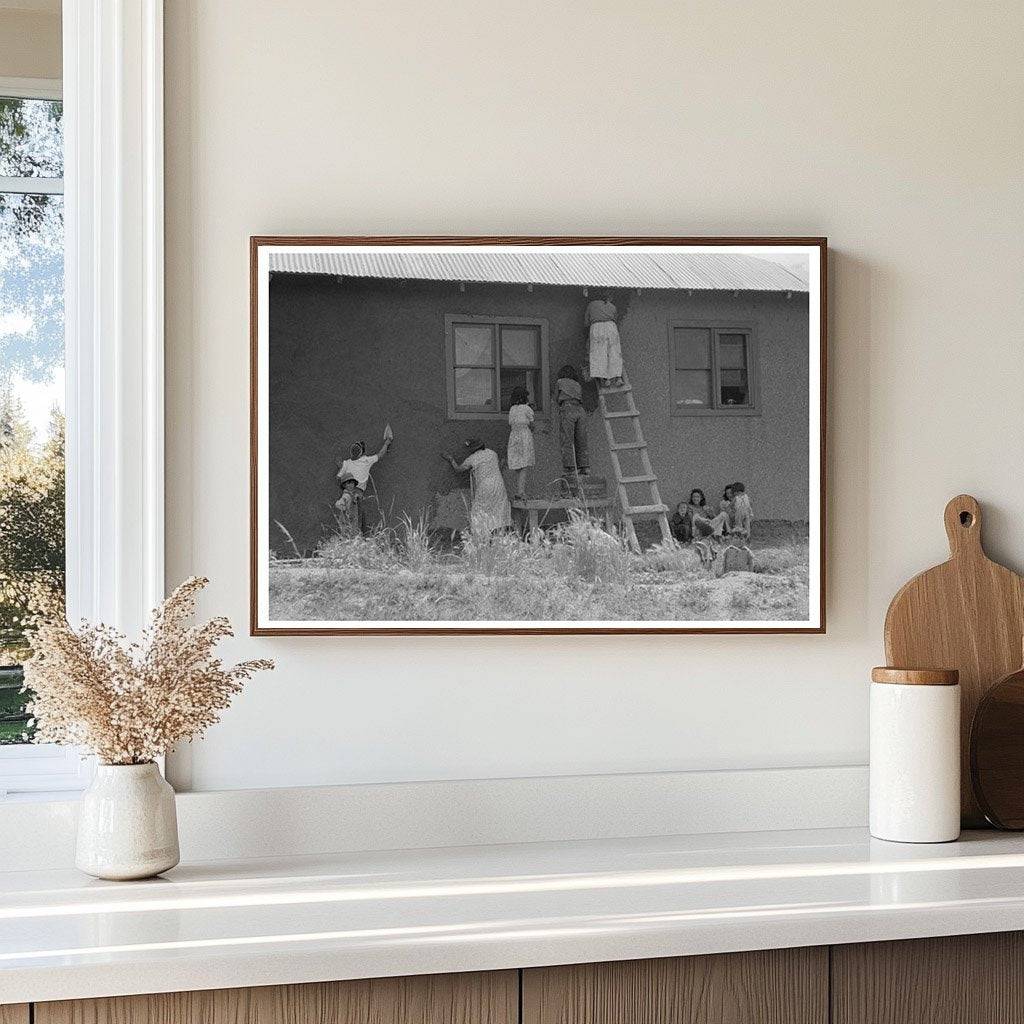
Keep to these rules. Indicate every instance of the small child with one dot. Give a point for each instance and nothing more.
(347, 507)
(681, 523)
(741, 516)
(521, 453)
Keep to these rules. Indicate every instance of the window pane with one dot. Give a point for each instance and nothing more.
(732, 351)
(520, 346)
(13, 719)
(474, 345)
(692, 388)
(734, 387)
(732, 369)
(31, 139)
(692, 348)
(474, 390)
(529, 379)
(32, 298)
(31, 432)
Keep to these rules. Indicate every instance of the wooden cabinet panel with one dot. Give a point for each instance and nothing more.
(779, 986)
(14, 1013)
(483, 998)
(962, 979)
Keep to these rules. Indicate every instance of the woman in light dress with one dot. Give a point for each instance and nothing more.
(489, 511)
(605, 346)
(707, 525)
(521, 454)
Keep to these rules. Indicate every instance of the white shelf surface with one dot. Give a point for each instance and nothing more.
(351, 915)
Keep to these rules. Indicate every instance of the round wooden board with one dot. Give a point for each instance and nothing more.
(997, 752)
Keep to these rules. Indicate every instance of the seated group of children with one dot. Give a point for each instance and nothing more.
(695, 520)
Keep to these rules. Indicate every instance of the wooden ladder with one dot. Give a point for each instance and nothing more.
(630, 512)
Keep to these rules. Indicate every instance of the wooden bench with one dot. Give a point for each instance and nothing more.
(533, 507)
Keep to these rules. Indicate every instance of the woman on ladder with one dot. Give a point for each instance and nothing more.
(605, 345)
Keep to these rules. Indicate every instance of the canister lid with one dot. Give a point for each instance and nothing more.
(916, 676)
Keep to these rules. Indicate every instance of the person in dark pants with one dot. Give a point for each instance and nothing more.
(680, 525)
(572, 423)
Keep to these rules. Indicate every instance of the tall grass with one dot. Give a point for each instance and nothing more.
(418, 547)
(581, 549)
(578, 549)
(374, 550)
(500, 554)
(574, 571)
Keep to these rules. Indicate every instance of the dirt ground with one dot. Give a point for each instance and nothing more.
(511, 581)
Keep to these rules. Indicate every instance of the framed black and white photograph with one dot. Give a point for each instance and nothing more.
(537, 435)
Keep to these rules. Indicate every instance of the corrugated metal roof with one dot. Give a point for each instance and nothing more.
(663, 269)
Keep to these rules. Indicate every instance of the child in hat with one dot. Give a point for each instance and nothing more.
(347, 507)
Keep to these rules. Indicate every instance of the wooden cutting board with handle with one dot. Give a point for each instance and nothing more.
(967, 614)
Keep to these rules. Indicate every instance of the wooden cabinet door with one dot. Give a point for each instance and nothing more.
(961, 979)
(778, 986)
(482, 998)
(14, 1013)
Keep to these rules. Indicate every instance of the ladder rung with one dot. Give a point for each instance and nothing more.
(628, 446)
(639, 480)
(621, 415)
(643, 510)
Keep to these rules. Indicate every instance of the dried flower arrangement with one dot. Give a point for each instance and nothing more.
(129, 703)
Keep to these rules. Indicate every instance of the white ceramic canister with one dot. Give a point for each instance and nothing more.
(915, 755)
(127, 825)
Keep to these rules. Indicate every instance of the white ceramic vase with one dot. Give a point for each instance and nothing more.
(127, 825)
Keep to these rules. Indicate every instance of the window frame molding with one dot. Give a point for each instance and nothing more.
(32, 88)
(450, 320)
(112, 89)
(114, 308)
(717, 327)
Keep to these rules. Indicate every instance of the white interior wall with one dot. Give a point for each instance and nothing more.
(895, 129)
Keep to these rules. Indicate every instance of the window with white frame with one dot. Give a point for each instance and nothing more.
(487, 357)
(32, 548)
(32, 486)
(713, 369)
(107, 142)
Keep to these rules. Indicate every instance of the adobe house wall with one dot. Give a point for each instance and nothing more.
(346, 357)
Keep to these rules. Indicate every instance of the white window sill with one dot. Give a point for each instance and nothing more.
(44, 771)
(361, 915)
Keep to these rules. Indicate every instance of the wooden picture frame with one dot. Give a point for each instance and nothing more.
(385, 260)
